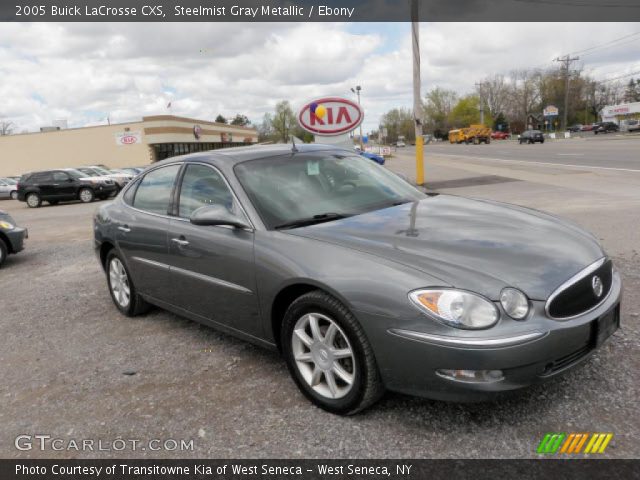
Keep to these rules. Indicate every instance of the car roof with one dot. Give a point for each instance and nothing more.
(234, 155)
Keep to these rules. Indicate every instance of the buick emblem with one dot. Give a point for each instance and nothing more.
(597, 286)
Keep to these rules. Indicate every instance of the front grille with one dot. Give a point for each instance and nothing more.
(578, 296)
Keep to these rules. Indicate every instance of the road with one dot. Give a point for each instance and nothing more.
(602, 152)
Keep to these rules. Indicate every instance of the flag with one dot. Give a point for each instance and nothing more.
(169, 105)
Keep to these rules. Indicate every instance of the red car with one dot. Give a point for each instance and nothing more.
(500, 135)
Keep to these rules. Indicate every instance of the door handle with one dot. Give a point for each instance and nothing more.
(180, 241)
(124, 229)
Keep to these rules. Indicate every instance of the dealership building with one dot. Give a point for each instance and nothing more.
(131, 144)
(621, 112)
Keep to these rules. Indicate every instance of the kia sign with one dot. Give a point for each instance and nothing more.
(128, 138)
(330, 116)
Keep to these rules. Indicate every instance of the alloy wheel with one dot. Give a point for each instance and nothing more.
(119, 283)
(323, 355)
(86, 196)
(33, 200)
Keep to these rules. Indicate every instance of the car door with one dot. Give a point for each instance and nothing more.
(45, 185)
(212, 267)
(64, 186)
(141, 230)
(5, 190)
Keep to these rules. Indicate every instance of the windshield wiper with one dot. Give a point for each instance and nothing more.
(304, 222)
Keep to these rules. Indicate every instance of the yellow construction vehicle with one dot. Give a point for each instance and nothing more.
(473, 134)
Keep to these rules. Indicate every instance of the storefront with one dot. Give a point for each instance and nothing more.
(120, 145)
(620, 113)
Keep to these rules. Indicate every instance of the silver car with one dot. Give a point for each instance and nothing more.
(8, 188)
(363, 282)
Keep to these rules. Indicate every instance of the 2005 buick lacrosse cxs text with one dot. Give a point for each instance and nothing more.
(363, 282)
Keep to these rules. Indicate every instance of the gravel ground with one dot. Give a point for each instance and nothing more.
(72, 367)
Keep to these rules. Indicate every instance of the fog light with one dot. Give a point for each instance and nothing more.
(471, 376)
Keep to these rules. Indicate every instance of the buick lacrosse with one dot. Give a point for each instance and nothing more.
(363, 282)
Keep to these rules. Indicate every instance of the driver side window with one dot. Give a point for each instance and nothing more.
(203, 185)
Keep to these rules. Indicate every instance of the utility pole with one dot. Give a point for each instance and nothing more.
(357, 92)
(567, 60)
(417, 99)
(479, 85)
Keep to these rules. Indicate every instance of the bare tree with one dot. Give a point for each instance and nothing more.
(493, 91)
(6, 127)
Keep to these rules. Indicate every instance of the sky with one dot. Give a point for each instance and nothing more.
(86, 73)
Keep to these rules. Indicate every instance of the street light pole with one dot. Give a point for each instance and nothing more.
(417, 100)
(357, 92)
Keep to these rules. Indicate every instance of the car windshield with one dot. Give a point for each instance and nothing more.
(290, 191)
(101, 171)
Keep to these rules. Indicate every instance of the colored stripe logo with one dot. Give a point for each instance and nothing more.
(553, 443)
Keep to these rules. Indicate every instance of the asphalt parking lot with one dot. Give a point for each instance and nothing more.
(73, 367)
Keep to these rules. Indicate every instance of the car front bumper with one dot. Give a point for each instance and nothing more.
(538, 349)
(17, 237)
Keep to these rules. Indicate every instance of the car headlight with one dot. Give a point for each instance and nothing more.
(456, 308)
(515, 303)
(7, 226)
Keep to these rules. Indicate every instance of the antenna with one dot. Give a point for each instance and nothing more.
(294, 149)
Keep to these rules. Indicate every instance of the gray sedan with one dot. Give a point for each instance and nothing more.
(363, 282)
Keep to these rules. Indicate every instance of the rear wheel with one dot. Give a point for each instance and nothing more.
(329, 356)
(86, 195)
(14, 195)
(34, 200)
(123, 292)
(4, 251)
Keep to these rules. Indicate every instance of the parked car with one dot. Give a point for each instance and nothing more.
(500, 135)
(120, 179)
(588, 128)
(11, 236)
(8, 188)
(54, 186)
(633, 125)
(575, 128)
(606, 127)
(531, 136)
(278, 246)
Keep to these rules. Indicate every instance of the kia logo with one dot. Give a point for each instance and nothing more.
(128, 139)
(330, 116)
(597, 286)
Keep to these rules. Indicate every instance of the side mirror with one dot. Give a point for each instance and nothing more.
(216, 215)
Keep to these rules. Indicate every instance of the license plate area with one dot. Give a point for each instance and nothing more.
(605, 326)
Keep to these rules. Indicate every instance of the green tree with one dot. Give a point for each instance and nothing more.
(283, 121)
(399, 121)
(240, 120)
(437, 107)
(467, 112)
(220, 119)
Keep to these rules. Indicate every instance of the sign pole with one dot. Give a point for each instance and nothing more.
(417, 100)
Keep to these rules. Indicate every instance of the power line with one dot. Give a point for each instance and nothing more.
(620, 77)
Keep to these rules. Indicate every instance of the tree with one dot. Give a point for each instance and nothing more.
(265, 129)
(283, 121)
(437, 109)
(632, 92)
(220, 119)
(240, 120)
(6, 127)
(467, 112)
(399, 121)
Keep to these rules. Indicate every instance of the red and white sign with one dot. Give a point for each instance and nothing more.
(339, 116)
(128, 138)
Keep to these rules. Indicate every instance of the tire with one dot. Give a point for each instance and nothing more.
(4, 251)
(14, 195)
(86, 195)
(118, 281)
(33, 200)
(356, 364)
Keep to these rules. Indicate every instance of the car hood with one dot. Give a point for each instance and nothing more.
(476, 245)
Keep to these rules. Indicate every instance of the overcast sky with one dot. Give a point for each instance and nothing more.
(86, 72)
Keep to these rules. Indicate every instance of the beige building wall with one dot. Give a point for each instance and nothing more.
(99, 145)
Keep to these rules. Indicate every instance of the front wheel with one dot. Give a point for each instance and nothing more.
(123, 292)
(329, 356)
(34, 200)
(86, 195)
